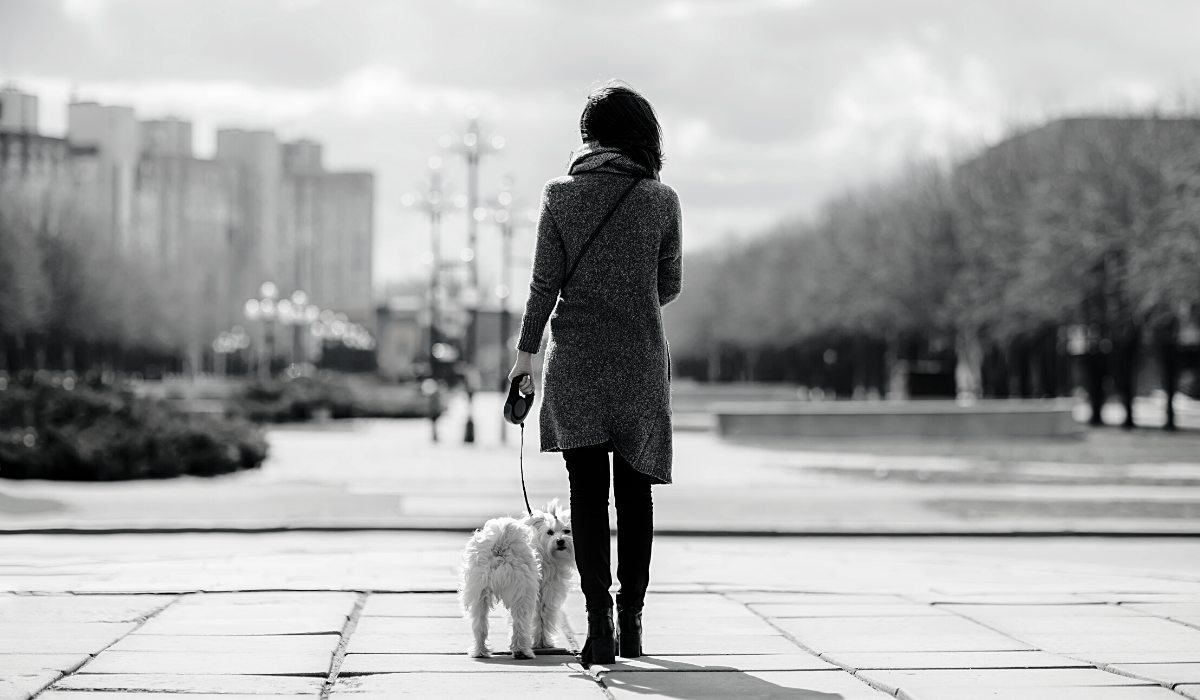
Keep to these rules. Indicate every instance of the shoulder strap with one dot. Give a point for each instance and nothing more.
(587, 244)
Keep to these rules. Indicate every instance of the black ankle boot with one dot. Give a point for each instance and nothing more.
(629, 631)
(601, 645)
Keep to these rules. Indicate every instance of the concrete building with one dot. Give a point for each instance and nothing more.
(327, 227)
(217, 229)
(113, 133)
(18, 111)
(49, 175)
(165, 137)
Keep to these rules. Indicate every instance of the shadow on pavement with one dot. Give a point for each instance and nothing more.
(692, 682)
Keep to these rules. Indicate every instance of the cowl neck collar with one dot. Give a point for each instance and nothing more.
(592, 157)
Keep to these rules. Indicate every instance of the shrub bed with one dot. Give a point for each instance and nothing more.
(296, 400)
(83, 432)
(306, 398)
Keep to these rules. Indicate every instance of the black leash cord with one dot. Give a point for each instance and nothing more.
(525, 493)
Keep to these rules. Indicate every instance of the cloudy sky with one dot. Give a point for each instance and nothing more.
(769, 106)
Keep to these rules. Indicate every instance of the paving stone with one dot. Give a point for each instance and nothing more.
(303, 598)
(314, 663)
(119, 695)
(1080, 644)
(704, 604)
(79, 608)
(1141, 692)
(1188, 613)
(267, 611)
(324, 624)
(415, 625)
(59, 637)
(814, 598)
(178, 683)
(680, 624)
(720, 662)
(767, 685)
(412, 605)
(1166, 674)
(1041, 612)
(1126, 597)
(952, 659)
(493, 686)
(676, 622)
(420, 643)
(897, 634)
(1099, 658)
(31, 664)
(938, 597)
(24, 687)
(56, 630)
(361, 664)
(706, 644)
(1144, 625)
(846, 610)
(917, 682)
(1189, 691)
(290, 644)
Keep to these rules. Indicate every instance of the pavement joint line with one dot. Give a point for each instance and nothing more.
(92, 657)
(1111, 668)
(807, 649)
(339, 655)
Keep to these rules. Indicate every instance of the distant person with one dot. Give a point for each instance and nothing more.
(607, 259)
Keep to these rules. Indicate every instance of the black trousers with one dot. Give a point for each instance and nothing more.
(587, 468)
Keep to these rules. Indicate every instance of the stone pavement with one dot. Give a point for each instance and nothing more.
(365, 615)
(387, 474)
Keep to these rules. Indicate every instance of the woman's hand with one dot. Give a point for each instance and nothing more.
(523, 365)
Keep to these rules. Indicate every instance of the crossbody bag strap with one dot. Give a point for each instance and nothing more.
(587, 244)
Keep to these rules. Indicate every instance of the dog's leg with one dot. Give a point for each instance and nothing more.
(544, 622)
(524, 617)
(478, 608)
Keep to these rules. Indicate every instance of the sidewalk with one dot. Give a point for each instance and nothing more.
(373, 615)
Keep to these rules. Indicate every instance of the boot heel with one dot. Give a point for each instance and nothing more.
(601, 644)
(629, 632)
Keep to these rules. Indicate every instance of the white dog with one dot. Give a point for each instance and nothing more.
(526, 565)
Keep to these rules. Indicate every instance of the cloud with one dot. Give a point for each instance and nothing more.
(769, 106)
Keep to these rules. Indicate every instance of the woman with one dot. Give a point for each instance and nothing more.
(606, 375)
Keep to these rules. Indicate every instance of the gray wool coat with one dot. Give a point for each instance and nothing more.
(607, 370)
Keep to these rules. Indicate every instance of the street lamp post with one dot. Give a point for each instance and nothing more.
(432, 203)
(473, 147)
(264, 310)
(503, 289)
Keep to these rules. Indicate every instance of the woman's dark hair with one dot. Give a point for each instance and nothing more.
(617, 116)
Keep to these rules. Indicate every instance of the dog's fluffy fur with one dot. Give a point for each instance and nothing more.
(526, 565)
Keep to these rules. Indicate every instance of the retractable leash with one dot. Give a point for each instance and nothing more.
(516, 408)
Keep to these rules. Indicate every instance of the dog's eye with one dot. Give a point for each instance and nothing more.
(550, 533)
(567, 531)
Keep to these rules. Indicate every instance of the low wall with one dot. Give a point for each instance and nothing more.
(919, 419)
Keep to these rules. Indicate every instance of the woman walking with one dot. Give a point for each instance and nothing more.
(607, 259)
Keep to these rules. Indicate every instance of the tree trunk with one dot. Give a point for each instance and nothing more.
(1127, 373)
(1168, 359)
(1095, 362)
(968, 373)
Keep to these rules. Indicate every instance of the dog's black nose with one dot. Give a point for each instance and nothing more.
(562, 544)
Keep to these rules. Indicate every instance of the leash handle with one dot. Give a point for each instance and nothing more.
(517, 405)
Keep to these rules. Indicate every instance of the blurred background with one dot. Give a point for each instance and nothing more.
(220, 215)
